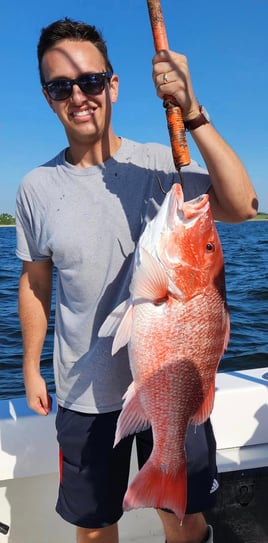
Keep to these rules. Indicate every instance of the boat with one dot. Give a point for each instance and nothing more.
(29, 470)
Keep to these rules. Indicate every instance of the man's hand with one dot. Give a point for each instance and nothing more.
(38, 398)
(172, 78)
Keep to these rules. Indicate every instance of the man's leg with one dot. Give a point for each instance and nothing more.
(93, 474)
(193, 529)
(102, 535)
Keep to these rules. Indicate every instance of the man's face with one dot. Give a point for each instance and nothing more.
(86, 118)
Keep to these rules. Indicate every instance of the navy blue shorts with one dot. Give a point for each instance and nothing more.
(94, 475)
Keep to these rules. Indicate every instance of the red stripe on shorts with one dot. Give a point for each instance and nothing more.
(60, 464)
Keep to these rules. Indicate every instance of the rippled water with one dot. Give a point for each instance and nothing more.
(245, 249)
(11, 379)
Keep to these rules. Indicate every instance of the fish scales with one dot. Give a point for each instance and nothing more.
(177, 328)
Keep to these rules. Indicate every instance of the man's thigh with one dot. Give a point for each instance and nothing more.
(93, 474)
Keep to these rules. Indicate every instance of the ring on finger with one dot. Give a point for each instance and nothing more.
(165, 78)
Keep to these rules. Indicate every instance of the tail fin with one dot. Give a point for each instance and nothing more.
(153, 487)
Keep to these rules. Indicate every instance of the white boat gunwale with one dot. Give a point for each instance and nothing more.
(29, 457)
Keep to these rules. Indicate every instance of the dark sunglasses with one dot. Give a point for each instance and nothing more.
(62, 88)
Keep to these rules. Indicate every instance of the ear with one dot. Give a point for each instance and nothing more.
(114, 88)
(48, 99)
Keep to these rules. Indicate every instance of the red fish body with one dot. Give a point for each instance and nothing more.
(177, 327)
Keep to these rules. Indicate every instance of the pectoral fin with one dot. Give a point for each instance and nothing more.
(150, 281)
(118, 324)
(206, 407)
(132, 419)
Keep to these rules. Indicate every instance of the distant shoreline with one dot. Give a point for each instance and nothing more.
(263, 219)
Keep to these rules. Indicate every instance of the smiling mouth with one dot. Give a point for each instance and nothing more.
(83, 113)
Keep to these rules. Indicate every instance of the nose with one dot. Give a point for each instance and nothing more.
(77, 95)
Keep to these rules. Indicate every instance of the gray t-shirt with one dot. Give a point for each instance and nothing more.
(88, 221)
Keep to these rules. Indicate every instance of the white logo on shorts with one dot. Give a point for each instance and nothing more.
(215, 486)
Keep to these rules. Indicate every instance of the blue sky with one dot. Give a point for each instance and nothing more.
(227, 49)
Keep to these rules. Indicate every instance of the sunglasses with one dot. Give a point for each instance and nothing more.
(62, 88)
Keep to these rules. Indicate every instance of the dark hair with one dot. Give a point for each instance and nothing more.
(67, 29)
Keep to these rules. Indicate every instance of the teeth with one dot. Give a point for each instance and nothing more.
(82, 113)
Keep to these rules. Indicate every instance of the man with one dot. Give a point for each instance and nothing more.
(83, 212)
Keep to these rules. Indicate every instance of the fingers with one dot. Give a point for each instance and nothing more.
(172, 78)
(46, 404)
(41, 405)
(170, 72)
(164, 78)
(38, 398)
(168, 62)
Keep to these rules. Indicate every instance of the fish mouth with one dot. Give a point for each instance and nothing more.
(178, 217)
(174, 214)
(184, 212)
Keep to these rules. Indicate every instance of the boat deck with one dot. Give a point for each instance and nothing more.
(29, 470)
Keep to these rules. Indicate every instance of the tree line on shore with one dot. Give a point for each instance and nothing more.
(6, 219)
(9, 220)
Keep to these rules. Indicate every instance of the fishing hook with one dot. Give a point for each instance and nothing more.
(161, 186)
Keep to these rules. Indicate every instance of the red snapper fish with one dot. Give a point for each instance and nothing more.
(176, 325)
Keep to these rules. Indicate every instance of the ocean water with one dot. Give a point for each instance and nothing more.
(245, 248)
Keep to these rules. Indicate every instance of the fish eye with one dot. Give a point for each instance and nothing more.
(210, 247)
